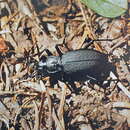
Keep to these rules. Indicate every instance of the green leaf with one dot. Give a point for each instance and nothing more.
(107, 8)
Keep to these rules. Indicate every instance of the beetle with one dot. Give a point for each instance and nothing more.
(77, 65)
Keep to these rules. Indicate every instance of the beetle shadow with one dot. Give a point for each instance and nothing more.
(98, 79)
(69, 82)
(72, 86)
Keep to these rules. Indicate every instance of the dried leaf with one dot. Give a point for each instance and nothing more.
(3, 45)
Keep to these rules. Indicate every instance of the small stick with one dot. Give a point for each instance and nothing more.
(120, 85)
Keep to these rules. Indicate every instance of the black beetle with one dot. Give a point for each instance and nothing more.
(77, 65)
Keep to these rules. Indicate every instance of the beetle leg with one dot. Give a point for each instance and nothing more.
(43, 57)
(71, 85)
(61, 45)
(88, 42)
(47, 51)
(58, 49)
(73, 88)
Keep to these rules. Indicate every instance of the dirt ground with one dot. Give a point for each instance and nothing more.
(27, 27)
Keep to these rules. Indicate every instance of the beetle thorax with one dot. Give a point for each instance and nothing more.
(53, 64)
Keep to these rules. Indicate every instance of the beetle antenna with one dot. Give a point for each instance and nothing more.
(89, 41)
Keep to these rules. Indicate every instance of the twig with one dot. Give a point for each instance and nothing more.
(60, 110)
(50, 109)
(120, 85)
(57, 122)
(36, 125)
(4, 94)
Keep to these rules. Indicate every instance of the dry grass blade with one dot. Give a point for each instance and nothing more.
(20, 74)
(41, 109)
(121, 104)
(70, 37)
(50, 109)
(5, 78)
(37, 122)
(5, 105)
(87, 21)
(57, 121)
(120, 41)
(4, 94)
(19, 110)
(89, 27)
(62, 101)
(120, 85)
(4, 119)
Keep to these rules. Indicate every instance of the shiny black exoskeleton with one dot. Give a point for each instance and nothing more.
(75, 65)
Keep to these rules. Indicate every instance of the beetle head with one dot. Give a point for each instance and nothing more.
(49, 66)
(42, 68)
